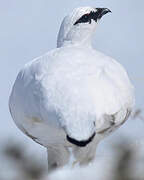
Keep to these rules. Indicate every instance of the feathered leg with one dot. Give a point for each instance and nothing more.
(57, 157)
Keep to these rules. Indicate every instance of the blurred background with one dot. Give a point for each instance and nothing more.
(29, 29)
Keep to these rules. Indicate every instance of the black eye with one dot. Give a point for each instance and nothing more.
(84, 19)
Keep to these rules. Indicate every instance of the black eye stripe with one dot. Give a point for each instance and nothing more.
(86, 18)
(83, 19)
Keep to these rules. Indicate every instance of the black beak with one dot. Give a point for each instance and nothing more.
(101, 12)
(80, 143)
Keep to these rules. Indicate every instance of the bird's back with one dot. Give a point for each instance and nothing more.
(69, 84)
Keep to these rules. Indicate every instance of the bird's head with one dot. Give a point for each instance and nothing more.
(80, 25)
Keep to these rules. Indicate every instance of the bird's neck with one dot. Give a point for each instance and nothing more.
(81, 43)
(75, 38)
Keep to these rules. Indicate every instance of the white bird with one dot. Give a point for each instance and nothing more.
(72, 97)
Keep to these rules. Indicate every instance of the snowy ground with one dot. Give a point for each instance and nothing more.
(106, 157)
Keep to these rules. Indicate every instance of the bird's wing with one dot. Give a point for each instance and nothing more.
(29, 104)
(113, 95)
(112, 89)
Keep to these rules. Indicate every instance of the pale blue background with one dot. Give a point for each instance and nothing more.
(29, 28)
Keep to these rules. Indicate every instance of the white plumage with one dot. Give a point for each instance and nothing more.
(72, 93)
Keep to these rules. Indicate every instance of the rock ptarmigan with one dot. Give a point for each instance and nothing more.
(73, 96)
